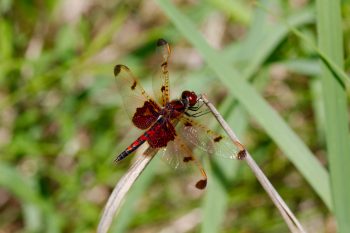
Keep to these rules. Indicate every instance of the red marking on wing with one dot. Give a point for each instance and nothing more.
(161, 133)
(138, 104)
(146, 115)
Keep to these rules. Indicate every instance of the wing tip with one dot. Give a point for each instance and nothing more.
(161, 42)
(118, 68)
(201, 184)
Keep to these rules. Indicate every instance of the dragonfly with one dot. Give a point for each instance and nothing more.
(170, 126)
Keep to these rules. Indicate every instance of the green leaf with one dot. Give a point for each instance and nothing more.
(329, 27)
(25, 191)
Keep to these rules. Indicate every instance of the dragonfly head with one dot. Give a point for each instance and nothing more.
(190, 97)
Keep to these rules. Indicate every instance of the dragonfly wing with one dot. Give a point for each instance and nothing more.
(179, 154)
(141, 108)
(207, 140)
(161, 79)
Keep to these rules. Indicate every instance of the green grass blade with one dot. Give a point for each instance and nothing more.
(267, 117)
(233, 9)
(264, 38)
(22, 188)
(32, 218)
(12, 181)
(310, 67)
(329, 26)
(338, 72)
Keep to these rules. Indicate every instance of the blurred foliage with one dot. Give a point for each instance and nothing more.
(62, 121)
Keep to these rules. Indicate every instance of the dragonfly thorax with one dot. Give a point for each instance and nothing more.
(173, 109)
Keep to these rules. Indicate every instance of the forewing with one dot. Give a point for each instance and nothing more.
(207, 140)
(161, 79)
(138, 104)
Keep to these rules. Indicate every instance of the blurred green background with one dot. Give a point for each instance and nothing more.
(62, 122)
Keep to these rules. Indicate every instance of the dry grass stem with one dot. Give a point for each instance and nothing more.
(292, 222)
(122, 187)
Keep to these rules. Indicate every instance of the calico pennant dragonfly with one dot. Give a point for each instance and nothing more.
(169, 125)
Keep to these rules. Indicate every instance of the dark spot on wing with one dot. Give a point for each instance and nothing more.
(162, 88)
(217, 139)
(187, 159)
(241, 154)
(201, 184)
(164, 64)
(188, 124)
(161, 42)
(117, 70)
(133, 85)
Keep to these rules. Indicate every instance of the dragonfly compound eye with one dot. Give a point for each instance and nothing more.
(190, 96)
